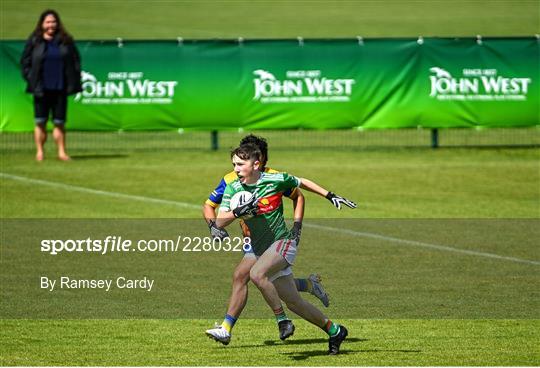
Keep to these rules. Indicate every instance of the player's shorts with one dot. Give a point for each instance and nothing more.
(287, 249)
(54, 102)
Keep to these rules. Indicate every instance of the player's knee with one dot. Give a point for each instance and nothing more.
(241, 276)
(257, 277)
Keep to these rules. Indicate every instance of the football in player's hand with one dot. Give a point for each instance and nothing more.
(243, 204)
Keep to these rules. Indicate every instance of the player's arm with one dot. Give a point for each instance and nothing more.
(209, 211)
(313, 187)
(246, 210)
(224, 218)
(226, 214)
(335, 199)
(298, 204)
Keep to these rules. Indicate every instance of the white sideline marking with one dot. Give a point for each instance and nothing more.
(77, 188)
(421, 244)
(320, 227)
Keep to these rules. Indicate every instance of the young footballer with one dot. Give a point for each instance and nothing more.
(239, 292)
(271, 241)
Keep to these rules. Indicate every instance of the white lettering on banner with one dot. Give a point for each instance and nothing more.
(477, 84)
(300, 86)
(151, 88)
(125, 88)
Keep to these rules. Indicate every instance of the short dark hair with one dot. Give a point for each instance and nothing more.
(260, 142)
(65, 37)
(248, 151)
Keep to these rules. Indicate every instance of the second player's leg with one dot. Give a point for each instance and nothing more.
(239, 292)
(237, 301)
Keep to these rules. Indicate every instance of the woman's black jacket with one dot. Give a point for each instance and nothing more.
(32, 61)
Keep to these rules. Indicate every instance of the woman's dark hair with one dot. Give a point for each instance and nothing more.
(64, 36)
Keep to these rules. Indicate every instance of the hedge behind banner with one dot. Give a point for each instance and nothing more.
(284, 84)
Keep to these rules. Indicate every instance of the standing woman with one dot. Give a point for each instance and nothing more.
(51, 67)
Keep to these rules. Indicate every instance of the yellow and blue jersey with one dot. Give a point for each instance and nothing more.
(216, 196)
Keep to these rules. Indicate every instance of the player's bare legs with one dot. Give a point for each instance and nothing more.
(238, 300)
(337, 334)
(283, 288)
(268, 264)
(239, 292)
(287, 292)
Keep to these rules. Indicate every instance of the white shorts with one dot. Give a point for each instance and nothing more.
(287, 249)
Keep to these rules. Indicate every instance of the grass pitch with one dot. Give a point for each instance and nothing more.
(167, 19)
(180, 342)
(400, 183)
(451, 290)
(437, 266)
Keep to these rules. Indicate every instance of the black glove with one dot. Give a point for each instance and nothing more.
(248, 209)
(296, 231)
(337, 201)
(216, 232)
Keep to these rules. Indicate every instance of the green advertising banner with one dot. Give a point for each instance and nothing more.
(285, 84)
